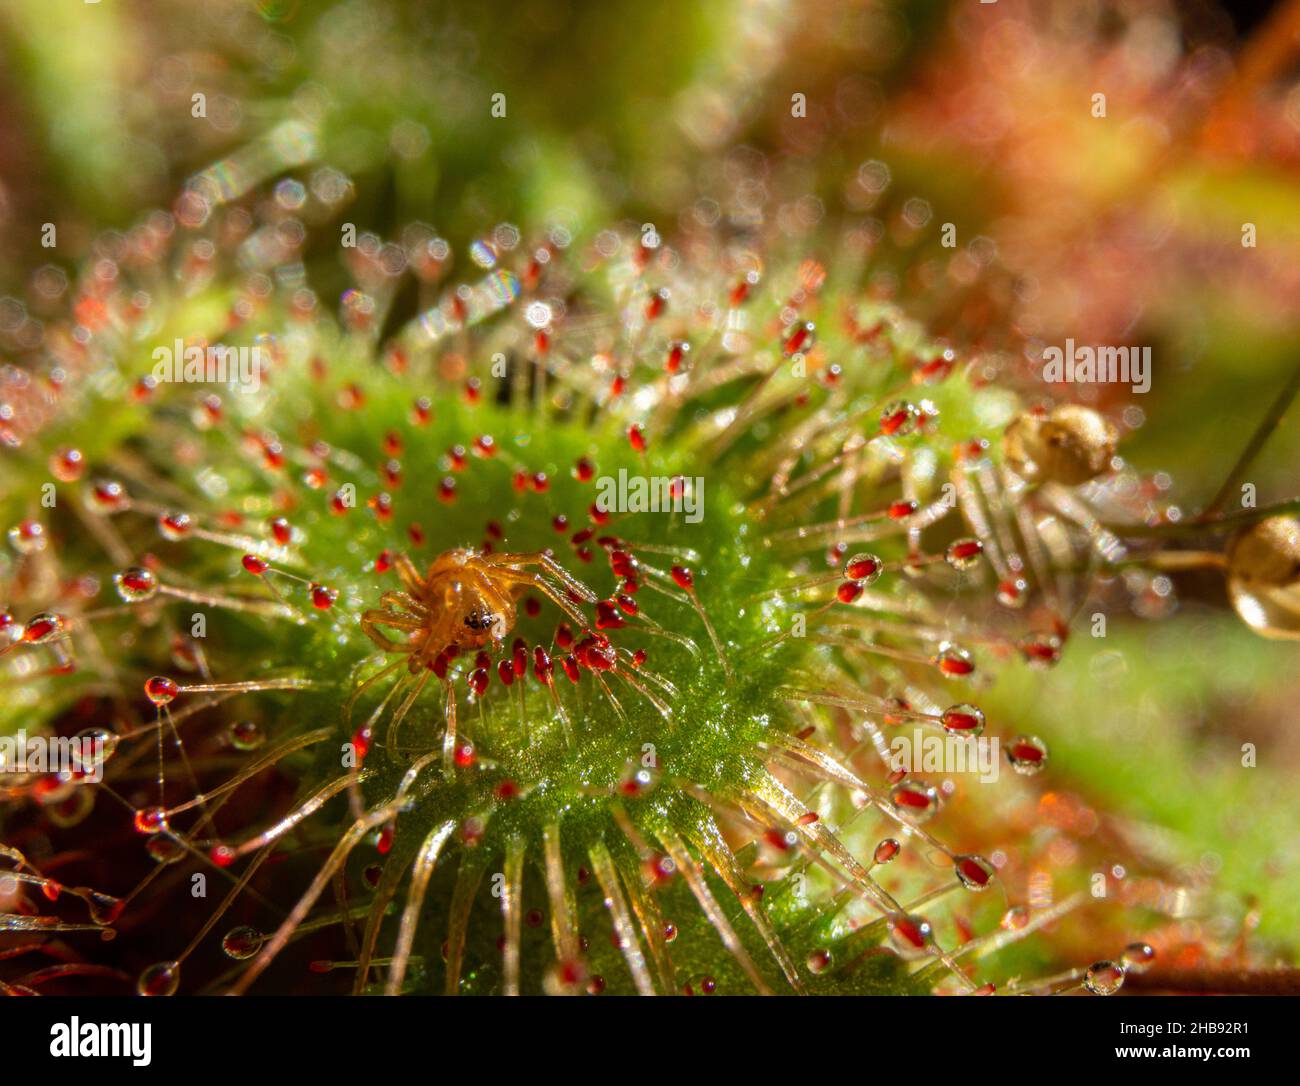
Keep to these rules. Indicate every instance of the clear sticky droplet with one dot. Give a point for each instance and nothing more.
(98, 745)
(1027, 754)
(953, 661)
(150, 820)
(104, 908)
(175, 526)
(28, 537)
(964, 554)
(246, 735)
(865, 569)
(916, 799)
(910, 934)
(1138, 957)
(136, 584)
(819, 961)
(44, 627)
(67, 465)
(164, 849)
(975, 872)
(1013, 592)
(242, 943)
(886, 850)
(159, 979)
(161, 690)
(899, 418)
(1041, 650)
(963, 719)
(1104, 978)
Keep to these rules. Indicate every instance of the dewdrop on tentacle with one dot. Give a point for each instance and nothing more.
(501, 718)
(28, 537)
(917, 799)
(975, 872)
(899, 419)
(1027, 754)
(242, 943)
(864, 569)
(911, 935)
(1104, 978)
(964, 719)
(160, 979)
(953, 661)
(1137, 957)
(964, 554)
(136, 584)
(43, 628)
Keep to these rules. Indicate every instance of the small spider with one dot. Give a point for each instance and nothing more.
(465, 600)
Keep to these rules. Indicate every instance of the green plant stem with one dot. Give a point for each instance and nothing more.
(1262, 433)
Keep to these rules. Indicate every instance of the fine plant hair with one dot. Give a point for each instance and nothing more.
(371, 666)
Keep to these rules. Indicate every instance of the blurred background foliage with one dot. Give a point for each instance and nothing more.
(1124, 228)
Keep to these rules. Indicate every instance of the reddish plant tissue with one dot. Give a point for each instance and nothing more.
(653, 578)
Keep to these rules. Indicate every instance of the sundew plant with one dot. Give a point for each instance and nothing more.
(714, 526)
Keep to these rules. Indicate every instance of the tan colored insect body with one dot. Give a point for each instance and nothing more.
(466, 600)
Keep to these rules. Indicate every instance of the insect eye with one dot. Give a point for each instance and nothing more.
(479, 620)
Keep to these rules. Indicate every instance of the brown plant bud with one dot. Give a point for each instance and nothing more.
(1069, 445)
